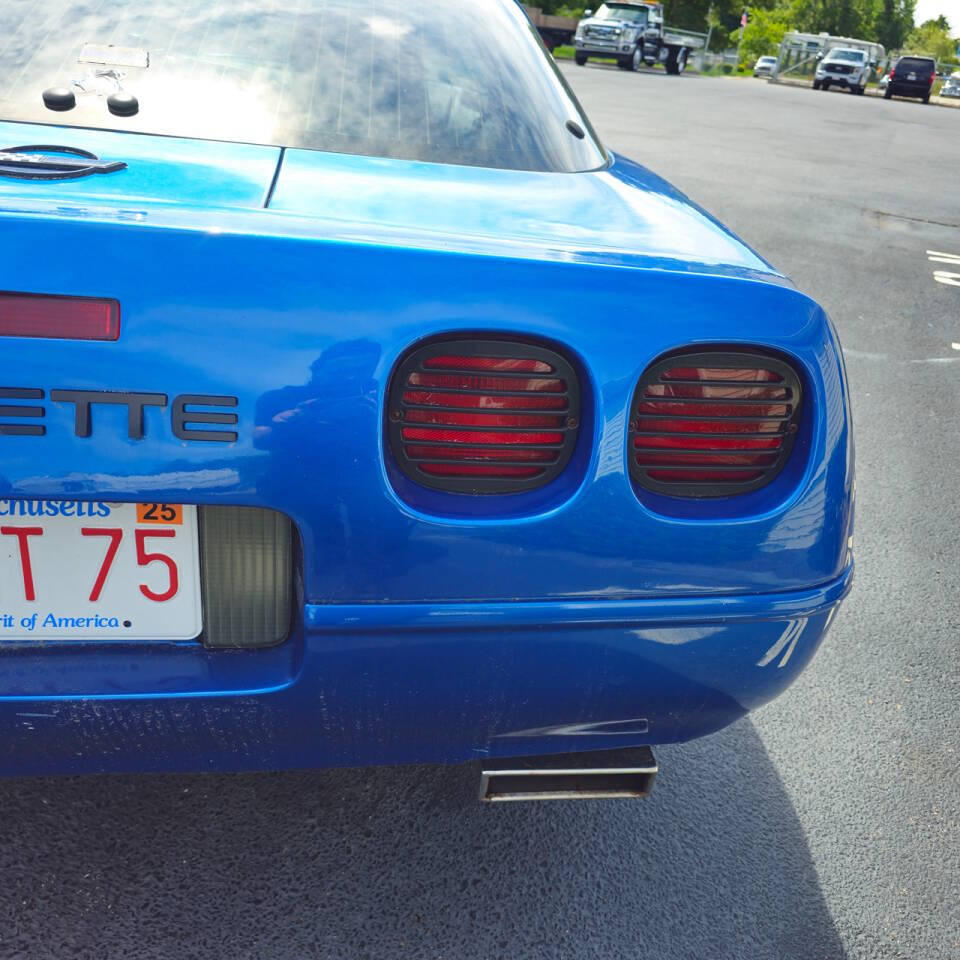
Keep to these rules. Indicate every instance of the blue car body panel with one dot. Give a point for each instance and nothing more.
(433, 627)
(193, 173)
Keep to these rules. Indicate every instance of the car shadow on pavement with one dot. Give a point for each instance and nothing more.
(404, 862)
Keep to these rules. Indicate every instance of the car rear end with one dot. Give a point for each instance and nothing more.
(319, 457)
(913, 77)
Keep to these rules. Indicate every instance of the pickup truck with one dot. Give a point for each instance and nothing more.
(554, 31)
(634, 34)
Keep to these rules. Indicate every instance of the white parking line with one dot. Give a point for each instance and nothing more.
(938, 256)
(945, 276)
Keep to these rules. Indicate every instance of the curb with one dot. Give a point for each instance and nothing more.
(951, 102)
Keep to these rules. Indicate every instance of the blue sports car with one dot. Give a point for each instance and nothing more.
(359, 407)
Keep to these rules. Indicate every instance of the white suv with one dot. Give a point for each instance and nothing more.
(843, 67)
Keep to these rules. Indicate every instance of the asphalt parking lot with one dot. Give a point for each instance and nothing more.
(826, 825)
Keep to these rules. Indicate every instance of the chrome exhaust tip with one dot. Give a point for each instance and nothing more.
(625, 773)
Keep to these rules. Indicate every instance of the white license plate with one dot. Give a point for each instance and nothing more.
(98, 571)
(911, 76)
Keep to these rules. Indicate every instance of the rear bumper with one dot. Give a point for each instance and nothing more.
(900, 89)
(414, 683)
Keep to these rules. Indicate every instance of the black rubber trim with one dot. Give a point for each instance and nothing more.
(45, 162)
(484, 346)
(718, 359)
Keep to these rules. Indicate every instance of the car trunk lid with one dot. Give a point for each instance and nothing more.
(158, 169)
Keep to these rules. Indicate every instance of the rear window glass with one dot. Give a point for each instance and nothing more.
(447, 81)
(915, 63)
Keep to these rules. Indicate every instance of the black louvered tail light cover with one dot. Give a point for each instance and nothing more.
(483, 416)
(713, 424)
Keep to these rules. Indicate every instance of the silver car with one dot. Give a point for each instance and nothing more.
(764, 67)
(951, 86)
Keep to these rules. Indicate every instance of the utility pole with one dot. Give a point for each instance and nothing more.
(706, 46)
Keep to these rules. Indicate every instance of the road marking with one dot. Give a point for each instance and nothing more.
(938, 256)
(945, 276)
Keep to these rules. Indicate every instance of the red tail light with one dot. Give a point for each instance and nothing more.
(892, 71)
(483, 416)
(68, 318)
(713, 424)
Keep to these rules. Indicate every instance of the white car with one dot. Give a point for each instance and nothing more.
(764, 67)
(951, 86)
(843, 67)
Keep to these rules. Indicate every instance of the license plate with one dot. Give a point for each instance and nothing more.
(911, 76)
(98, 571)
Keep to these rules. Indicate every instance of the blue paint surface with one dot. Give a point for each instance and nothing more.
(435, 627)
(198, 173)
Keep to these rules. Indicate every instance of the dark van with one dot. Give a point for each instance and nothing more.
(912, 77)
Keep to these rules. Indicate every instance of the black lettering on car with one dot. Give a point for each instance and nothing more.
(184, 419)
(181, 417)
(33, 412)
(84, 399)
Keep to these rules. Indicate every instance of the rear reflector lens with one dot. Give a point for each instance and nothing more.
(703, 425)
(721, 373)
(479, 470)
(478, 453)
(485, 419)
(66, 318)
(483, 416)
(703, 476)
(466, 436)
(486, 384)
(484, 402)
(518, 364)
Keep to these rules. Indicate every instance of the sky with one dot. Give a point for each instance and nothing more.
(931, 9)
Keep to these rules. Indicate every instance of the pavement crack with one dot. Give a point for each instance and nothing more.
(883, 214)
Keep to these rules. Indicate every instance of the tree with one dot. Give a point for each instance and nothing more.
(763, 33)
(893, 21)
(932, 38)
(841, 18)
